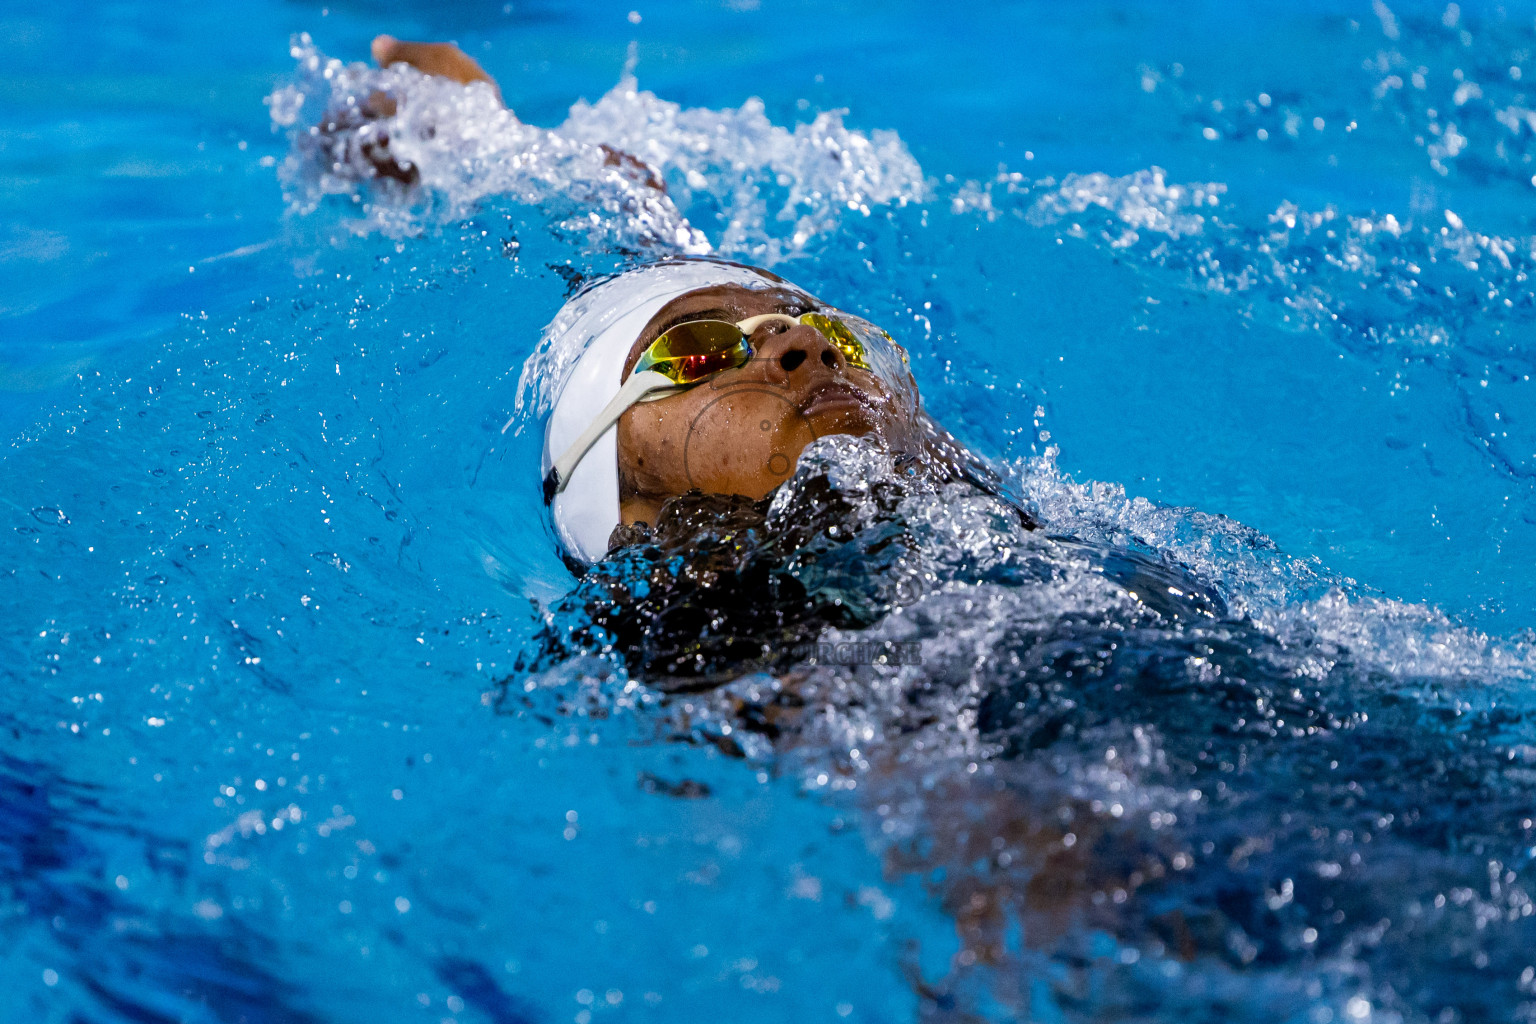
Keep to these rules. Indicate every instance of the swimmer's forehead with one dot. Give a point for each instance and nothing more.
(730, 302)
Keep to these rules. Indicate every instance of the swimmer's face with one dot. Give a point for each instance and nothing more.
(742, 430)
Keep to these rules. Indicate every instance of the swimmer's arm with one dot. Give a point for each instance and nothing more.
(446, 60)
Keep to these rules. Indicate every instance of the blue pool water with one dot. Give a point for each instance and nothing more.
(1243, 290)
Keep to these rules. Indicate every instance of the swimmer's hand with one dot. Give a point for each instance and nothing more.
(445, 60)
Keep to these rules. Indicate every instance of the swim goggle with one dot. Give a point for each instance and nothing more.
(688, 354)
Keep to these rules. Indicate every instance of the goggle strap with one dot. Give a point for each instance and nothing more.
(636, 389)
(752, 323)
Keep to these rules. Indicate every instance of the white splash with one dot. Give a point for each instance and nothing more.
(776, 189)
(1141, 202)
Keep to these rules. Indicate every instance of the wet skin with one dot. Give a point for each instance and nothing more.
(742, 430)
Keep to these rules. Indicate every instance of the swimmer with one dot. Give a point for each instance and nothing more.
(679, 398)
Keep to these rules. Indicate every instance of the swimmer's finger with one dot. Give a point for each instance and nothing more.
(382, 47)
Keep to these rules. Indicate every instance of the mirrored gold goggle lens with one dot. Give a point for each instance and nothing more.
(838, 333)
(687, 353)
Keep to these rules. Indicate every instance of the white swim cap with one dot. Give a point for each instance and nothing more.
(592, 336)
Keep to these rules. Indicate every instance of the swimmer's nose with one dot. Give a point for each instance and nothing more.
(797, 348)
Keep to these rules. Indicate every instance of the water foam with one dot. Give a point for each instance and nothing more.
(769, 190)
(1422, 290)
(967, 580)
